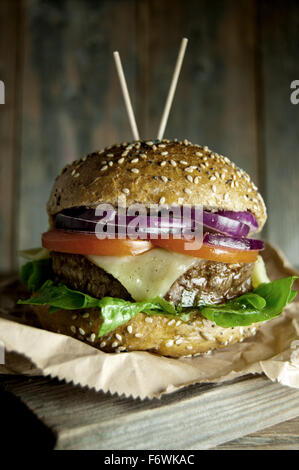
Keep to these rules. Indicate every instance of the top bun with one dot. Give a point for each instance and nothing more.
(157, 172)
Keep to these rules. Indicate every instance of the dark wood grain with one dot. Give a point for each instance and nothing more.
(215, 99)
(279, 43)
(72, 101)
(10, 73)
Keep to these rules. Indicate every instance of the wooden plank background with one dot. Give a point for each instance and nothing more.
(63, 98)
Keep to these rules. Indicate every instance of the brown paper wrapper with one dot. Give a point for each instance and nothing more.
(273, 351)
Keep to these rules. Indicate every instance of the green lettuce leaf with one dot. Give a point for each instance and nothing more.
(114, 311)
(263, 303)
(267, 301)
(35, 273)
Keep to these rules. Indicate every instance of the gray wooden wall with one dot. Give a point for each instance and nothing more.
(63, 98)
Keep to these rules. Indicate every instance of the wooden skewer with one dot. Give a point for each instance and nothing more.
(126, 95)
(172, 88)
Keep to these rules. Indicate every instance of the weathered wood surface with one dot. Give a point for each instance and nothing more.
(64, 98)
(279, 44)
(10, 70)
(282, 436)
(198, 417)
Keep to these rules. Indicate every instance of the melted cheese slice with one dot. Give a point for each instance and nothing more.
(148, 275)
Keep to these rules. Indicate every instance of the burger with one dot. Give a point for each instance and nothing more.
(157, 292)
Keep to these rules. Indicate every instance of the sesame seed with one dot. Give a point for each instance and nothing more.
(213, 178)
(189, 169)
(173, 163)
(121, 160)
(187, 191)
(196, 180)
(162, 145)
(149, 142)
(110, 155)
(162, 200)
(164, 178)
(183, 162)
(138, 335)
(135, 170)
(189, 178)
(81, 331)
(76, 175)
(85, 315)
(114, 344)
(124, 154)
(186, 142)
(164, 153)
(135, 160)
(74, 317)
(119, 337)
(129, 329)
(126, 191)
(73, 172)
(104, 168)
(169, 343)
(163, 163)
(149, 320)
(73, 329)
(190, 347)
(143, 155)
(92, 337)
(199, 154)
(110, 163)
(178, 323)
(103, 344)
(171, 322)
(179, 341)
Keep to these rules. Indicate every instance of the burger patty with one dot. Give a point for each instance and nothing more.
(207, 281)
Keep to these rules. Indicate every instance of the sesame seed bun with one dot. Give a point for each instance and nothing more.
(159, 172)
(171, 338)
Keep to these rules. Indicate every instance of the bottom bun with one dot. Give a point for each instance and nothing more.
(157, 333)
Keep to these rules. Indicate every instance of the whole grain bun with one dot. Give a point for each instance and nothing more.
(170, 338)
(159, 172)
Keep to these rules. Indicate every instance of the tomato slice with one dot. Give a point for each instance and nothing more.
(225, 255)
(89, 244)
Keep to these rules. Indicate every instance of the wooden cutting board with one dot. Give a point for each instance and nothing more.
(197, 417)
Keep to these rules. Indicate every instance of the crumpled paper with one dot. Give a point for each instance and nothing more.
(273, 351)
